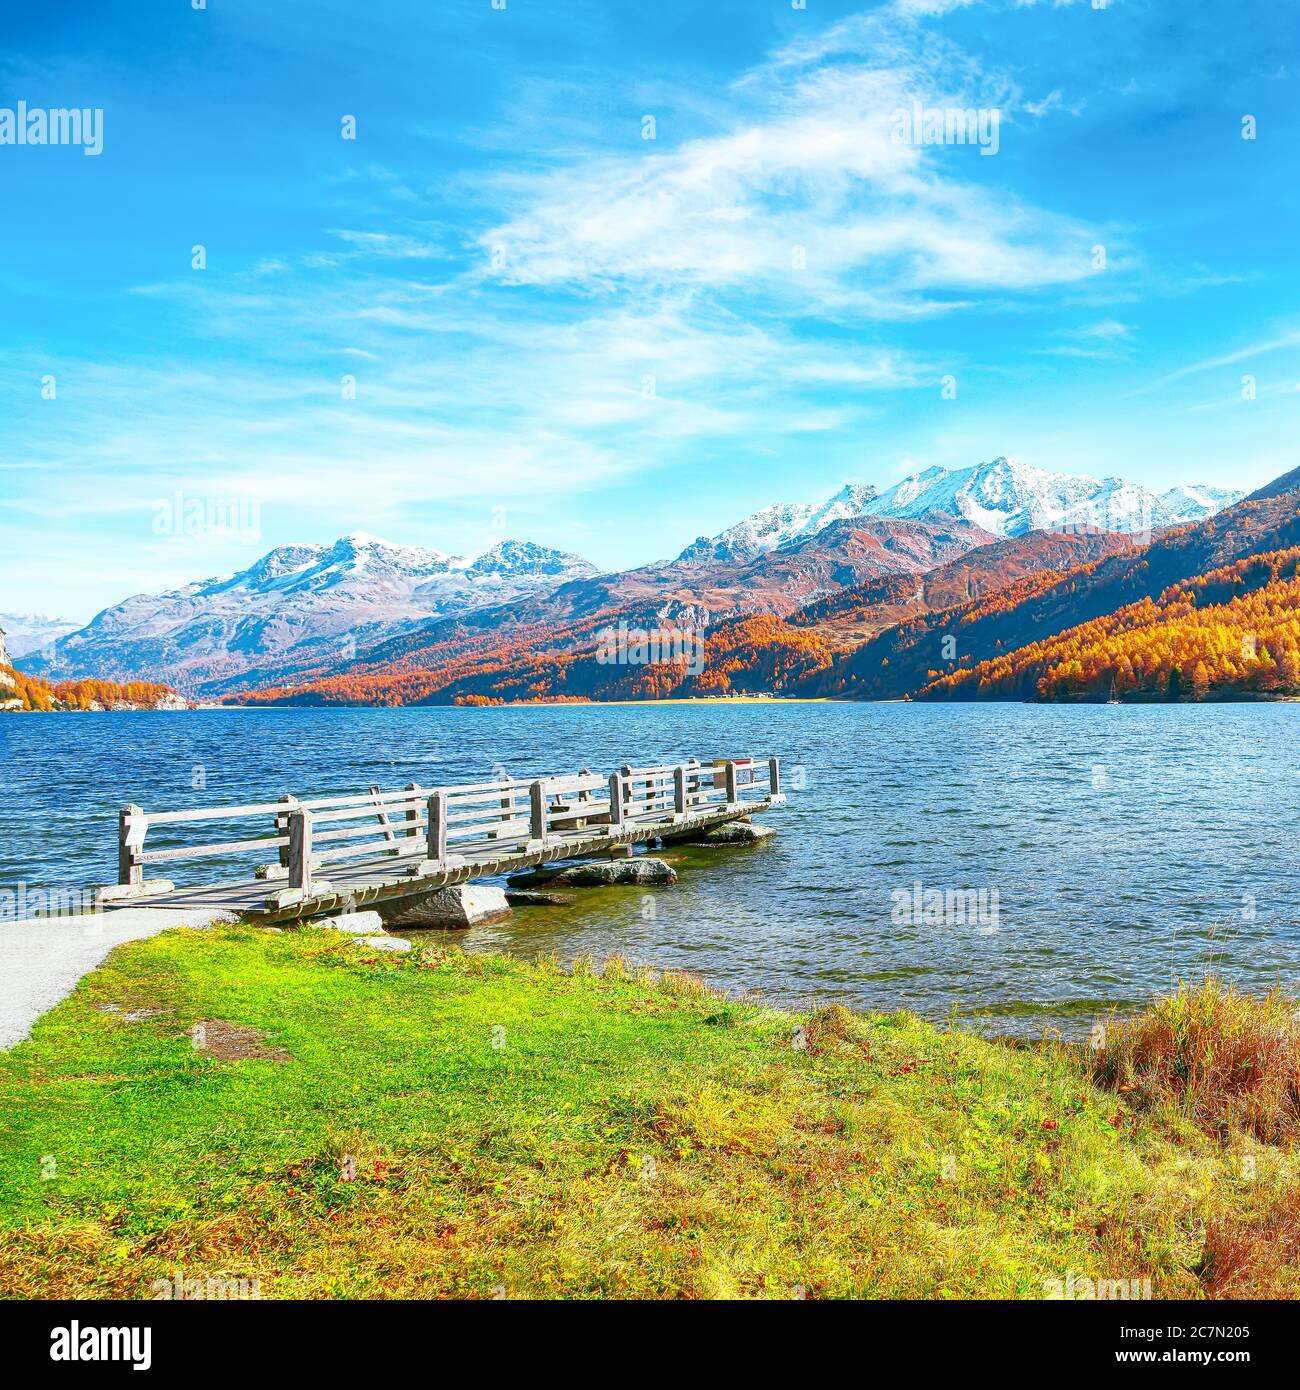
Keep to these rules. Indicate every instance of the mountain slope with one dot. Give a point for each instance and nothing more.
(853, 616)
(1230, 633)
(296, 606)
(912, 655)
(774, 608)
(779, 525)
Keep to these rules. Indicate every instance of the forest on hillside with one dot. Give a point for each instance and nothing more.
(1230, 633)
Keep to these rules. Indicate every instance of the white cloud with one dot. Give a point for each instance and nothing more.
(807, 200)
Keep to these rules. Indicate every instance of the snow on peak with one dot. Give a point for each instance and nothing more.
(851, 500)
(1010, 498)
(30, 632)
(510, 557)
(773, 526)
(1003, 496)
(364, 548)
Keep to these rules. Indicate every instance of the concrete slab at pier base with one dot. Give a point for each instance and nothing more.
(132, 892)
(463, 905)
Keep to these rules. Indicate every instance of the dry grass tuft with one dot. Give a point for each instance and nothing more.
(1224, 1059)
(829, 1025)
(1249, 1258)
(682, 982)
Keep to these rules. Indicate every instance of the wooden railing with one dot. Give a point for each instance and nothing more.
(445, 826)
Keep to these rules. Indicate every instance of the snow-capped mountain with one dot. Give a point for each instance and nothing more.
(29, 632)
(516, 559)
(1185, 504)
(1003, 497)
(1010, 499)
(772, 527)
(296, 605)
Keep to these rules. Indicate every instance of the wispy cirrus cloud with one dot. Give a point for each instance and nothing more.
(808, 199)
(1262, 347)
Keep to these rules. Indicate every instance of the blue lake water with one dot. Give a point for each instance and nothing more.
(1128, 846)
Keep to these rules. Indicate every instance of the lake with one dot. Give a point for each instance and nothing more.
(1102, 852)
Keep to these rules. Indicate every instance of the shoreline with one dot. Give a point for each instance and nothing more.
(697, 1145)
(710, 700)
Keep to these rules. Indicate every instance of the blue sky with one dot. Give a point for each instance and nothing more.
(564, 331)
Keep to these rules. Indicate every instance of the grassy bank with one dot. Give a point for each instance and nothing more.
(291, 1109)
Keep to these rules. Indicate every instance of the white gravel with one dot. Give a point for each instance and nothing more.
(42, 959)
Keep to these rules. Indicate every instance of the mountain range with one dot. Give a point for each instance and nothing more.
(29, 632)
(1012, 499)
(399, 621)
(298, 605)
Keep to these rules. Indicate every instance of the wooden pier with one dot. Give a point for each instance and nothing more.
(345, 852)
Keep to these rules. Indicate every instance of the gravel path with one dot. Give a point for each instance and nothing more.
(42, 959)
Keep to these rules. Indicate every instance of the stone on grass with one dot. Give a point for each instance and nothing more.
(353, 923)
(464, 905)
(383, 943)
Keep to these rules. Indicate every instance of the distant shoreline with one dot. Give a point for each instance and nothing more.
(1244, 699)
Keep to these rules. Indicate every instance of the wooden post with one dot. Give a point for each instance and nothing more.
(774, 775)
(282, 828)
(128, 871)
(413, 813)
(300, 849)
(383, 817)
(437, 847)
(537, 819)
(615, 799)
(507, 804)
(730, 771)
(679, 791)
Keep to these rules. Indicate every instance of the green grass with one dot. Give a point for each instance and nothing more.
(629, 1136)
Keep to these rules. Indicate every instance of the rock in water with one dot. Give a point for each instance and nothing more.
(736, 832)
(599, 873)
(465, 905)
(525, 899)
